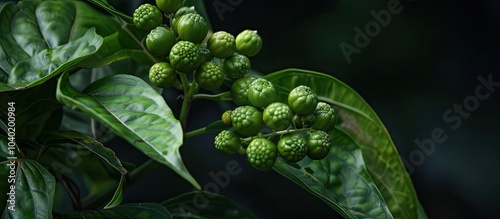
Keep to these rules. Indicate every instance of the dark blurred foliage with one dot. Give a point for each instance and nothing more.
(427, 58)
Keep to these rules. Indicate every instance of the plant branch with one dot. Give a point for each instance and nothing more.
(222, 96)
(186, 102)
(272, 134)
(195, 132)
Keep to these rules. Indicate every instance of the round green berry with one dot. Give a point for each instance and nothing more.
(160, 40)
(146, 17)
(209, 76)
(239, 90)
(161, 74)
(169, 6)
(227, 142)
(292, 147)
(325, 117)
(302, 100)
(247, 120)
(185, 56)
(184, 10)
(248, 42)
(262, 92)
(221, 44)
(318, 145)
(226, 117)
(261, 153)
(236, 66)
(277, 116)
(191, 27)
(303, 121)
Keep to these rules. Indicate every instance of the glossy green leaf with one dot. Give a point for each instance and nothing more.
(34, 192)
(360, 122)
(216, 206)
(136, 211)
(41, 39)
(135, 112)
(4, 148)
(117, 196)
(36, 109)
(106, 6)
(340, 179)
(84, 141)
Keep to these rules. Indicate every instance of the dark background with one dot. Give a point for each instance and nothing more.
(427, 59)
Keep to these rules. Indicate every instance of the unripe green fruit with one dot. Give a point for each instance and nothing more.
(227, 142)
(248, 42)
(236, 66)
(184, 10)
(161, 74)
(325, 117)
(206, 56)
(247, 120)
(209, 76)
(277, 116)
(262, 154)
(146, 17)
(221, 44)
(292, 147)
(185, 56)
(262, 92)
(169, 6)
(191, 27)
(160, 40)
(303, 121)
(226, 117)
(318, 143)
(302, 100)
(239, 90)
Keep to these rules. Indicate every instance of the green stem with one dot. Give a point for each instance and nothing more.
(186, 103)
(195, 132)
(142, 170)
(140, 44)
(222, 96)
(185, 82)
(288, 131)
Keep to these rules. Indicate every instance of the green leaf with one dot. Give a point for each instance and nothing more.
(106, 6)
(135, 112)
(4, 148)
(215, 206)
(118, 196)
(87, 142)
(34, 192)
(41, 39)
(340, 179)
(360, 122)
(139, 211)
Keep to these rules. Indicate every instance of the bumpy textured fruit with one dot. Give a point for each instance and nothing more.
(248, 42)
(146, 17)
(262, 154)
(209, 76)
(160, 40)
(185, 56)
(236, 66)
(239, 90)
(227, 142)
(247, 120)
(292, 147)
(303, 121)
(277, 116)
(318, 145)
(221, 44)
(161, 74)
(169, 6)
(262, 92)
(226, 117)
(302, 100)
(191, 27)
(325, 117)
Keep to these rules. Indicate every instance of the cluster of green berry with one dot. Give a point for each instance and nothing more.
(184, 48)
(263, 128)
